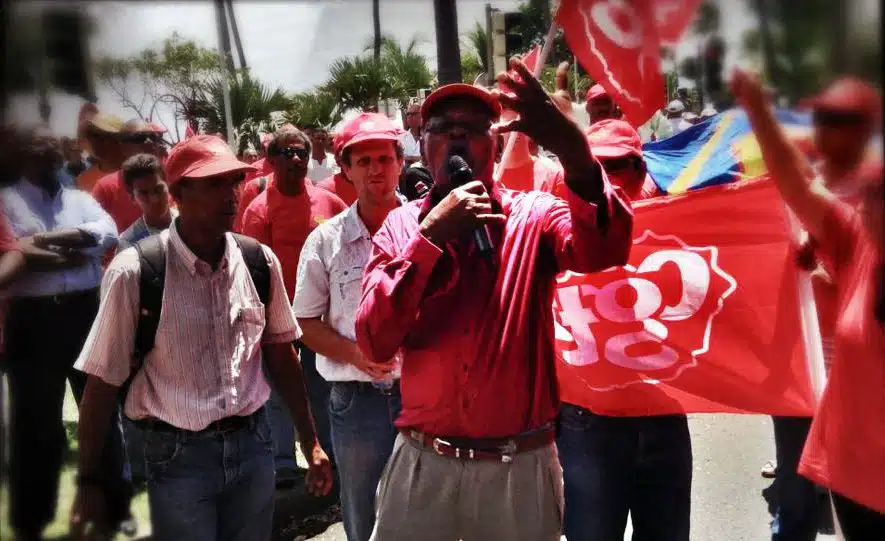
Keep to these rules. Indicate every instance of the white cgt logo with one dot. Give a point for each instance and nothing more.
(582, 306)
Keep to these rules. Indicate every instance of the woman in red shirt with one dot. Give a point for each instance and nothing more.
(845, 451)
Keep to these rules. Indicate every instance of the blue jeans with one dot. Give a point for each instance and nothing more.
(615, 465)
(798, 503)
(362, 419)
(213, 485)
(281, 420)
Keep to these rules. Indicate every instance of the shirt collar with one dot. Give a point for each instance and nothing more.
(191, 262)
(352, 225)
(31, 190)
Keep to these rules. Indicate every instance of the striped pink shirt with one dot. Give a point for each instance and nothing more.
(206, 361)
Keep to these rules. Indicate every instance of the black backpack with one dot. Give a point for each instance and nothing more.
(152, 259)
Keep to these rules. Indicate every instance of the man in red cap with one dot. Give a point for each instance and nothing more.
(600, 105)
(364, 400)
(282, 217)
(256, 181)
(844, 118)
(460, 285)
(199, 393)
(135, 137)
(618, 148)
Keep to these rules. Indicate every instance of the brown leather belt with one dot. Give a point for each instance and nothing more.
(226, 425)
(493, 449)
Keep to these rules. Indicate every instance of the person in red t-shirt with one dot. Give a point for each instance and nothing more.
(845, 451)
(12, 261)
(282, 216)
(136, 137)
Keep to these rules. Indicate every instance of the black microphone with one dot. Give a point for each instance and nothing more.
(460, 174)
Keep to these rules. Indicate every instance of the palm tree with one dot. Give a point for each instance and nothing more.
(252, 103)
(376, 25)
(406, 68)
(317, 108)
(359, 82)
(478, 40)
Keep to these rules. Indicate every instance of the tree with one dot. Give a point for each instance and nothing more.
(252, 103)
(317, 108)
(406, 68)
(359, 82)
(376, 25)
(478, 45)
(175, 74)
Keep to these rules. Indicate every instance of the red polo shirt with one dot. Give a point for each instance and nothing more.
(7, 239)
(477, 343)
(111, 194)
(283, 222)
(340, 186)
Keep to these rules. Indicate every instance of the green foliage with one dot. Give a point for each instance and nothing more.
(317, 108)
(405, 67)
(477, 44)
(471, 67)
(178, 74)
(252, 103)
(708, 18)
(359, 82)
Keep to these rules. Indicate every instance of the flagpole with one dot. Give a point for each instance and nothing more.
(814, 353)
(539, 67)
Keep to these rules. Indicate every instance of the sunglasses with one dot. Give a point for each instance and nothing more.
(619, 164)
(439, 125)
(302, 153)
(823, 117)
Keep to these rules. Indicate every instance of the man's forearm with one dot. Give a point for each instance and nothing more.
(66, 238)
(288, 379)
(323, 339)
(96, 411)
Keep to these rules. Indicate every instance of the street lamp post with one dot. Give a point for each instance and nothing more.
(448, 51)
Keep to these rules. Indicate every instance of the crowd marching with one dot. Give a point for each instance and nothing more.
(383, 298)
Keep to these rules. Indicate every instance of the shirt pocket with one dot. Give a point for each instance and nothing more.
(248, 330)
(348, 280)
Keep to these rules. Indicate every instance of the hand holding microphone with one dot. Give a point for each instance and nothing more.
(467, 207)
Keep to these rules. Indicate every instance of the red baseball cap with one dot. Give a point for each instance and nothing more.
(612, 138)
(460, 90)
(202, 156)
(848, 95)
(365, 127)
(596, 91)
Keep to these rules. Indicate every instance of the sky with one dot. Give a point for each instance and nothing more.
(288, 44)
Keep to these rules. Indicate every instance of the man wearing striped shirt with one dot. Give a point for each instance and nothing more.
(199, 395)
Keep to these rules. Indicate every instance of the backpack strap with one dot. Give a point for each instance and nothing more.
(256, 261)
(152, 256)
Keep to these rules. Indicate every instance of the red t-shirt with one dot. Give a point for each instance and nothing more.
(111, 194)
(283, 223)
(248, 193)
(532, 175)
(340, 186)
(7, 239)
(845, 450)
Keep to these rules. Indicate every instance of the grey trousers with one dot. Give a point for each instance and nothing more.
(434, 498)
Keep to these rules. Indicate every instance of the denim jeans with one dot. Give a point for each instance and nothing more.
(615, 465)
(281, 420)
(213, 485)
(798, 503)
(363, 434)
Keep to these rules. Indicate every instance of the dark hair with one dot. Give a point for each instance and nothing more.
(141, 165)
(397, 147)
(286, 132)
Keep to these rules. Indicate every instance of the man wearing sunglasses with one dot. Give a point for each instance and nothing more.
(135, 137)
(282, 216)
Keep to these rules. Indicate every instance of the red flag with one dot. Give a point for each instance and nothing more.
(617, 42)
(705, 317)
(529, 59)
(672, 17)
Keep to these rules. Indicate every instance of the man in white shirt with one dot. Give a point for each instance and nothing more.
(411, 138)
(365, 397)
(199, 393)
(322, 164)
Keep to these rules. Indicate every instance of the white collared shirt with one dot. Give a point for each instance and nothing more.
(329, 283)
(411, 145)
(320, 171)
(206, 360)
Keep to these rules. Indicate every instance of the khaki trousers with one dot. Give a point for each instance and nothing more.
(427, 497)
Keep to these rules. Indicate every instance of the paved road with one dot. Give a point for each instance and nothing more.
(726, 502)
(726, 498)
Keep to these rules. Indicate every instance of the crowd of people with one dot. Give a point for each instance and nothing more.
(381, 300)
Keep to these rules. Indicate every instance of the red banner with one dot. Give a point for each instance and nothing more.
(705, 317)
(672, 17)
(617, 42)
